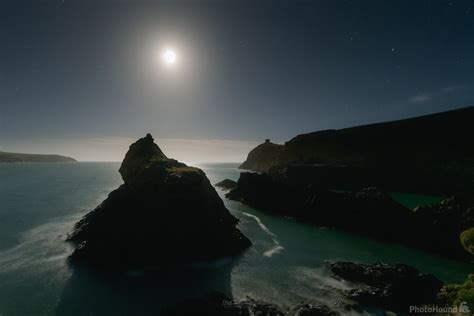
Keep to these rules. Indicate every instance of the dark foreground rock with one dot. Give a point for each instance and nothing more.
(218, 304)
(165, 213)
(376, 287)
(226, 184)
(393, 287)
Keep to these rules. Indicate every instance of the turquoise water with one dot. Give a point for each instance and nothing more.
(413, 200)
(39, 203)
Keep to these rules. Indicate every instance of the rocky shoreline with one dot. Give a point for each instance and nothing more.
(368, 211)
(376, 287)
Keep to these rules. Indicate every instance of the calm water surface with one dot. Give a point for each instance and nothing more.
(39, 203)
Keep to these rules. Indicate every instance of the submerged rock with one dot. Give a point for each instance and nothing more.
(392, 287)
(165, 213)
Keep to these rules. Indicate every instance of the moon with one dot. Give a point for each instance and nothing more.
(169, 56)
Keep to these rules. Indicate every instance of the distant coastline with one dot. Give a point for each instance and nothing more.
(21, 157)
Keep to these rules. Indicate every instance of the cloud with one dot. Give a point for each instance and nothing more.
(455, 88)
(421, 98)
(440, 94)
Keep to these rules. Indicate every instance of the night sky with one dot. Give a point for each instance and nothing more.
(85, 77)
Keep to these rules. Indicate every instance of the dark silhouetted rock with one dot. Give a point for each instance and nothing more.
(165, 213)
(262, 157)
(441, 225)
(426, 154)
(392, 287)
(226, 184)
(295, 191)
(368, 211)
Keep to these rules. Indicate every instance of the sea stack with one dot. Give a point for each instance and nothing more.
(164, 214)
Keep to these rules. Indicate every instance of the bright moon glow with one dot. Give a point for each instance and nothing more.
(169, 56)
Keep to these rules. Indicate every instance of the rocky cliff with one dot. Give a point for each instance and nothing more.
(404, 151)
(165, 213)
(305, 196)
(263, 157)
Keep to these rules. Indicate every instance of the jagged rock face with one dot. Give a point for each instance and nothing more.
(140, 155)
(165, 213)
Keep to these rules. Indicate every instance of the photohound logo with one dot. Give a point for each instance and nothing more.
(463, 308)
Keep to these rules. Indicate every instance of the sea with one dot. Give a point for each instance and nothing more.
(287, 264)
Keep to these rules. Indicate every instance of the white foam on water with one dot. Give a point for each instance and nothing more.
(277, 247)
(275, 250)
(318, 286)
(259, 222)
(40, 247)
(318, 278)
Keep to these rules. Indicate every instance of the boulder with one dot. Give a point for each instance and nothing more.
(165, 213)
